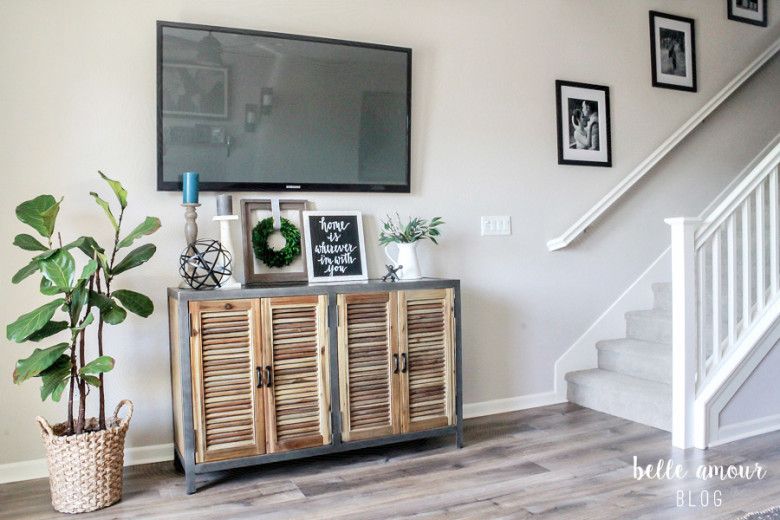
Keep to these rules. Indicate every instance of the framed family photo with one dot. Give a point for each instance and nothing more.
(748, 11)
(673, 51)
(583, 124)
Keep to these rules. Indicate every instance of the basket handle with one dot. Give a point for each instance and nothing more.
(44, 425)
(119, 406)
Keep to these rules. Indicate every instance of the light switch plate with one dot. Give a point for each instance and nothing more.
(496, 225)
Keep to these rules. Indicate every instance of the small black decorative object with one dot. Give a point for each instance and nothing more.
(205, 264)
(272, 257)
(392, 273)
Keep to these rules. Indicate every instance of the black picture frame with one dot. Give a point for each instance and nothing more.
(762, 9)
(658, 81)
(377, 187)
(564, 147)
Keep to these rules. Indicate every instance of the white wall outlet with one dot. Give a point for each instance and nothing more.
(496, 225)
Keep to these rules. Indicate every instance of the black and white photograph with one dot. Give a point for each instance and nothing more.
(195, 91)
(583, 124)
(748, 11)
(672, 48)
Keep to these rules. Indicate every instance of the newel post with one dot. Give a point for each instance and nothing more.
(684, 329)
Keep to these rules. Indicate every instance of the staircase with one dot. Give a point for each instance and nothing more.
(634, 374)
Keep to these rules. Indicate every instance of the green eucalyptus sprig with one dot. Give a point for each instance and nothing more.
(77, 292)
(415, 229)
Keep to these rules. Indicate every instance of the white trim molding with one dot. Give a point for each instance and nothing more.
(510, 404)
(745, 429)
(628, 182)
(37, 468)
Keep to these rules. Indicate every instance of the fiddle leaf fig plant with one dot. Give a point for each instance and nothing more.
(83, 296)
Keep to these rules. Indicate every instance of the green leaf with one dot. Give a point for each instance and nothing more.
(55, 378)
(134, 302)
(38, 361)
(118, 189)
(31, 322)
(91, 380)
(25, 271)
(87, 245)
(29, 243)
(78, 300)
(88, 319)
(97, 366)
(110, 312)
(59, 269)
(103, 204)
(134, 258)
(32, 267)
(48, 288)
(89, 270)
(50, 329)
(39, 213)
(147, 227)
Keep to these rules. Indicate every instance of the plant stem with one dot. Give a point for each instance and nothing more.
(101, 392)
(73, 375)
(82, 421)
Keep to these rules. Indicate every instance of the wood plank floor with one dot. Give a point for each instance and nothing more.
(561, 462)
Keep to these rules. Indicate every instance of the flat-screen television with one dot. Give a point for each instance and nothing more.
(251, 110)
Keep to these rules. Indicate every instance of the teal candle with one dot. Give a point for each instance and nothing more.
(189, 188)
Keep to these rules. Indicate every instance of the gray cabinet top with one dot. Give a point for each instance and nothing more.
(303, 288)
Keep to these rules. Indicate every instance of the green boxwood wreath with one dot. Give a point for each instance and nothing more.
(271, 257)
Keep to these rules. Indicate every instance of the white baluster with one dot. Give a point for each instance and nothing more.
(684, 340)
(760, 279)
(701, 310)
(746, 292)
(715, 298)
(773, 231)
(731, 282)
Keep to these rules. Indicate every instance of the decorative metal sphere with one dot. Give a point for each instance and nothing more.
(205, 264)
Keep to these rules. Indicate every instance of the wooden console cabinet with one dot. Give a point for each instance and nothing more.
(262, 374)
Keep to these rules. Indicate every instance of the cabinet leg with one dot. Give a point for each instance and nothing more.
(189, 479)
(459, 436)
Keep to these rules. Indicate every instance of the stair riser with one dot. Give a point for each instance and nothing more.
(646, 328)
(651, 410)
(645, 367)
(662, 293)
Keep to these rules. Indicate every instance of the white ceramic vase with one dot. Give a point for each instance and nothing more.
(406, 257)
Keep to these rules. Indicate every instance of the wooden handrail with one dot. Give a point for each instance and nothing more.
(659, 153)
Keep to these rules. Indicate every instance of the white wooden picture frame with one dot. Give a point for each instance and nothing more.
(324, 229)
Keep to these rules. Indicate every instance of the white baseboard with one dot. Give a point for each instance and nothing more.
(37, 468)
(745, 429)
(511, 404)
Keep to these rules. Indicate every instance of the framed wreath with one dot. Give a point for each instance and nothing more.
(276, 257)
(266, 262)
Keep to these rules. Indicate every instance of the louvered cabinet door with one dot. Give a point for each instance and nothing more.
(296, 372)
(426, 331)
(368, 364)
(225, 350)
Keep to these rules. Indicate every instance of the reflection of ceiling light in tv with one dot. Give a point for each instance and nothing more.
(210, 50)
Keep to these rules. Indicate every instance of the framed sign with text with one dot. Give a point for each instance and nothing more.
(335, 249)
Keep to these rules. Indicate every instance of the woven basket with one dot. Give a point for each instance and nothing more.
(85, 470)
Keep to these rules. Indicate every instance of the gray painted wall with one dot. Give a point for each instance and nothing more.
(484, 143)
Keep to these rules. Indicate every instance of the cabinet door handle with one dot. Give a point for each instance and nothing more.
(269, 378)
(404, 363)
(259, 377)
(395, 363)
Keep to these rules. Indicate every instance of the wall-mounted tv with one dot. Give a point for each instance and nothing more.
(252, 110)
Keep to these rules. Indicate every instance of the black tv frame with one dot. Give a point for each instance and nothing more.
(163, 185)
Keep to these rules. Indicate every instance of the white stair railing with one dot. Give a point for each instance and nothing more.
(724, 280)
(629, 181)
